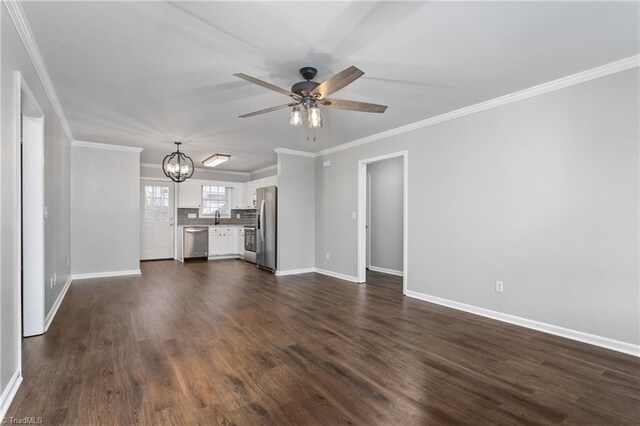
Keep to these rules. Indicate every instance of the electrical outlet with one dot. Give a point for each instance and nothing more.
(499, 286)
(353, 215)
(328, 255)
(238, 216)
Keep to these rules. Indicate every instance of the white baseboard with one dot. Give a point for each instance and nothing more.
(386, 271)
(337, 275)
(54, 309)
(106, 274)
(568, 333)
(9, 393)
(319, 271)
(295, 272)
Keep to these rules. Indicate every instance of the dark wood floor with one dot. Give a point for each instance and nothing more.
(221, 342)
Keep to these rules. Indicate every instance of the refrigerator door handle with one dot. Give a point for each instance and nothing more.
(261, 219)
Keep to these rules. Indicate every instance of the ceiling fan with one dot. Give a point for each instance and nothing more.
(311, 94)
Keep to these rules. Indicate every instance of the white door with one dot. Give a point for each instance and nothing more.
(157, 220)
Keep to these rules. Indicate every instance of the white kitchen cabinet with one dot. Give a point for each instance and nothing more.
(215, 243)
(238, 197)
(251, 187)
(223, 240)
(240, 242)
(189, 194)
(229, 243)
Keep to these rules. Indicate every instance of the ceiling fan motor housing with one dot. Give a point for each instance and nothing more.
(303, 88)
(308, 73)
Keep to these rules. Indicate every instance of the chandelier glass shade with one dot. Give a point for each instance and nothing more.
(177, 166)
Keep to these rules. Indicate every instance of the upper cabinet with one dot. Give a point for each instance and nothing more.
(242, 194)
(252, 186)
(190, 193)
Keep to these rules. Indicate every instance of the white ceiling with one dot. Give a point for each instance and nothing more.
(147, 73)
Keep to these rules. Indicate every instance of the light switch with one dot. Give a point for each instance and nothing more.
(353, 215)
(192, 215)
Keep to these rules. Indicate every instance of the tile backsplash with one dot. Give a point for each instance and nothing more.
(238, 217)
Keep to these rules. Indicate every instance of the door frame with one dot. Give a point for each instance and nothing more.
(30, 295)
(175, 212)
(362, 214)
(368, 218)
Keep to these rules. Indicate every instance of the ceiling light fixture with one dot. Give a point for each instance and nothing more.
(215, 159)
(177, 166)
(296, 117)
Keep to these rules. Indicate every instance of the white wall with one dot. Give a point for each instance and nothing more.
(541, 193)
(296, 211)
(386, 215)
(264, 172)
(14, 57)
(105, 210)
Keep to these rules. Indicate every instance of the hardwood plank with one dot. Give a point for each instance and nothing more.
(224, 343)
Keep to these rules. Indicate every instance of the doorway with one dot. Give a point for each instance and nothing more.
(32, 211)
(157, 217)
(382, 216)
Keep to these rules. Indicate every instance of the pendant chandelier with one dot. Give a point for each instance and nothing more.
(177, 166)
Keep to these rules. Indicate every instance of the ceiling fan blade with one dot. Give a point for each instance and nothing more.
(354, 105)
(337, 82)
(263, 111)
(267, 85)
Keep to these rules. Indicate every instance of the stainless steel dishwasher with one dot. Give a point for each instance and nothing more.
(196, 241)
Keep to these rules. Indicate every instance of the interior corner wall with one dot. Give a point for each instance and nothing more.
(387, 215)
(296, 212)
(267, 172)
(14, 58)
(105, 210)
(542, 194)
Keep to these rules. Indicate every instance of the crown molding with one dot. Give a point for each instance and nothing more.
(295, 152)
(561, 83)
(85, 144)
(28, 40)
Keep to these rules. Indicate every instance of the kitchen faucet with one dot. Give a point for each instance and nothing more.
(217, 219)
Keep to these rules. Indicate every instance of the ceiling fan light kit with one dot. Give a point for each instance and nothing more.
(177, 166)
(296, 117)
(215, 160)
(314, 119)
(311, 94)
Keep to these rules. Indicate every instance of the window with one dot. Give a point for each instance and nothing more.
(156, 203)
(215, 198)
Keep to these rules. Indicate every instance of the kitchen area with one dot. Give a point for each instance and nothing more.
(227, 220)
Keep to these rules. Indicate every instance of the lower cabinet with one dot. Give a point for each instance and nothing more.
(223, 241)
(240, 242)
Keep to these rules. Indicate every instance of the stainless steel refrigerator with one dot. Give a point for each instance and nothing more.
(266, 232)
